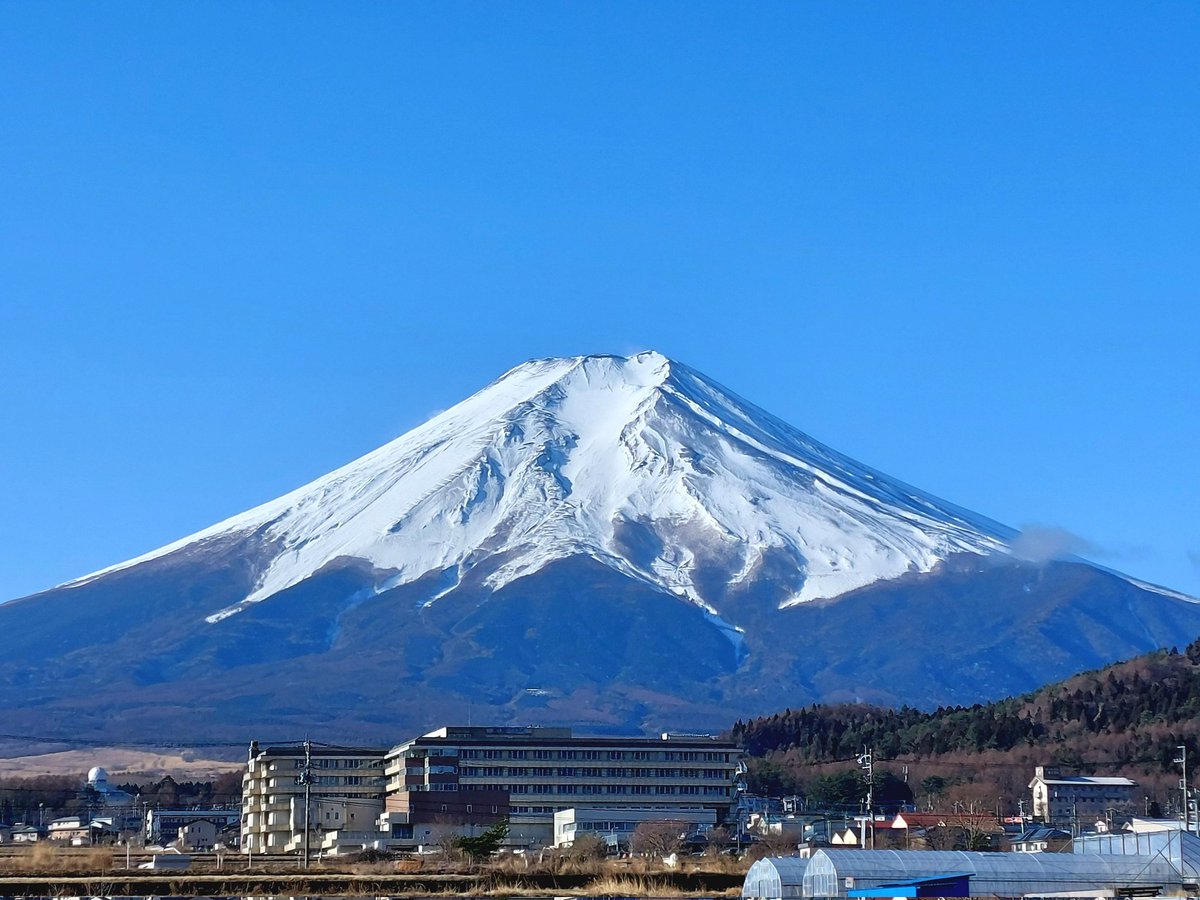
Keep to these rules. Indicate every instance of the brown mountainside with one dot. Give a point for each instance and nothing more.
(1125, 719)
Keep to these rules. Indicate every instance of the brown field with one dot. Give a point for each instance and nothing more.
(180, 764)
(49, 870)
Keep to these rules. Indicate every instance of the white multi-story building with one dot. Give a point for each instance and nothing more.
(546, 770)
(1066, 800)
(346, 788)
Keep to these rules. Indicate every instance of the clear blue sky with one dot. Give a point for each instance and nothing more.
(243, 243)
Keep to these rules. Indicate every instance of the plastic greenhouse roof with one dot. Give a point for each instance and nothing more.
(999, 874)
(1180, 847)
(775, 878)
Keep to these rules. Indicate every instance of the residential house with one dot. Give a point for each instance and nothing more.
(164, 824)
(1041, 840)
(197, 836)
(845, 838)
(74, 830)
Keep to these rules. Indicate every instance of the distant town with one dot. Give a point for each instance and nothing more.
(505, 790)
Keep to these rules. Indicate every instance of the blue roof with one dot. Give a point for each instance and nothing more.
(953, 884)
(1042, 834)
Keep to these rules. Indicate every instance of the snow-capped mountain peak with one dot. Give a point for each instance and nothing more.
(640, 463)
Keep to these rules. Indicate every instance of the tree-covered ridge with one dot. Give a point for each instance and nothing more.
(1131, 714)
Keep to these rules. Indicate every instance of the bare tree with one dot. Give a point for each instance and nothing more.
(587, 845)
(718, 840)
(657, 838)
(779, 843)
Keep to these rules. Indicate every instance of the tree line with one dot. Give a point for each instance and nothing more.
(1130, 715)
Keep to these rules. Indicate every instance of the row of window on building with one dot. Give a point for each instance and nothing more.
(613, 755)
(584, 772)
(661, 790)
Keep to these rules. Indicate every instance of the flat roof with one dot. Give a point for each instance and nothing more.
(561, 737)
(319, 750)
(1098, 780)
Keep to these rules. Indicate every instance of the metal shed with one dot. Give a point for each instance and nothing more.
(831, 873)
(775, 878)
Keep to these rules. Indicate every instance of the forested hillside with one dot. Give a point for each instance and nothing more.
(1125, 719)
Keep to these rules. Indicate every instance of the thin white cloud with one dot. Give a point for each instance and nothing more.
(1040, 543)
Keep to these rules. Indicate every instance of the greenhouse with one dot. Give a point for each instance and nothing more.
(831, 873)
(775, 878)
(1181, 848)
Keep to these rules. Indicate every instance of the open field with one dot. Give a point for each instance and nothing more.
(52, 871)
(180, 764)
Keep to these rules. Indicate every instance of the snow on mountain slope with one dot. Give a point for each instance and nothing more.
(641, 463)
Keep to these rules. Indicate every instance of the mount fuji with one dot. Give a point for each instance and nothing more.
(616, 542)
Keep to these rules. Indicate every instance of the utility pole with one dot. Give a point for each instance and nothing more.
(1182, 761)
(867, 764)
(306, 780)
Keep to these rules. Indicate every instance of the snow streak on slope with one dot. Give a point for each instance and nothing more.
(641, 463)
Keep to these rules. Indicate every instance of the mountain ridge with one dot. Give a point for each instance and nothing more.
(664, 399)
(603, 541)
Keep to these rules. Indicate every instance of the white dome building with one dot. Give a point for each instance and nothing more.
(97, 780)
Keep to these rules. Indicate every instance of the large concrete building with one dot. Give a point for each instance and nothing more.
(346, 786)
(546, 770)
(462, 779)
(1068, 800)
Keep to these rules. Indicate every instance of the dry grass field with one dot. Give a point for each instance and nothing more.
(185, 765)
(505, 876)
